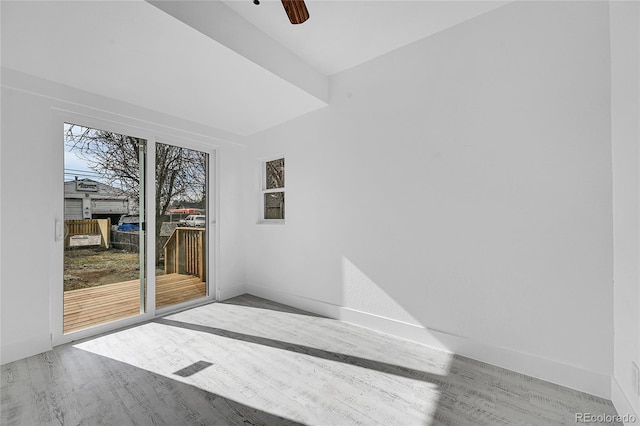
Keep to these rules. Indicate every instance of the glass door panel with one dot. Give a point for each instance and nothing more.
(181, 224)
(104, 211)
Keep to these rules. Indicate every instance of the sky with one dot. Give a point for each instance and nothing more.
(75, 165)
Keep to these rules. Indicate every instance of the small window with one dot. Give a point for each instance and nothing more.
(272, 198)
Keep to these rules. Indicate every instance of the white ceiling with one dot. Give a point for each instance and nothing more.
(134, 52)
(246, 72)
(341, 34)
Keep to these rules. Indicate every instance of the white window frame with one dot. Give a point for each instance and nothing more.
(264, 190)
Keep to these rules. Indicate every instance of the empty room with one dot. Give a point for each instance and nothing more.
(320, 212)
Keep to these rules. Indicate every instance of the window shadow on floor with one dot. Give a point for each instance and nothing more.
(370, 364)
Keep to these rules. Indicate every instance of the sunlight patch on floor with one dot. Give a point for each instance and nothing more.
(276, 377)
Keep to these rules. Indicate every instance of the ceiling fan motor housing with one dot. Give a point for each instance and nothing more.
(296, 11)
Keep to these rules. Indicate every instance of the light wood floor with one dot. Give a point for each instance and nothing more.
(249, 361)
(96, 305)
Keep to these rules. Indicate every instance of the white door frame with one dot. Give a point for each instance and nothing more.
(143, 130)
(212, 214)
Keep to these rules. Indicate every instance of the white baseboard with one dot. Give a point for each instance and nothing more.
(622, 404)
(229, 292)
(304, 303)
(14, 351)
(552, 371)
(531, 365)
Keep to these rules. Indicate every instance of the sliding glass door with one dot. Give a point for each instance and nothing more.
(104, 233)
(106, 256)
(182, 225)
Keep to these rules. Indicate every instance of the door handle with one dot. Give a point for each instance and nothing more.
(59, 233)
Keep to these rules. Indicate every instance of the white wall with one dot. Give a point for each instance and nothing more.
(468, 203)
(461, 186)
(625, 137)
(31, 140)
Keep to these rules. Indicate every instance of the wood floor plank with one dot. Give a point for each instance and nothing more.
(252, 361)
(87, 307)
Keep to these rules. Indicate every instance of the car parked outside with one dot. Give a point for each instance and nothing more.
(195, 220)
(129, 222)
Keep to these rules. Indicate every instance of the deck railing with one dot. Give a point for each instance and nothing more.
(184, 252)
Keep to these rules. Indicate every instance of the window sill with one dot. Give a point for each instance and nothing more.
(271, 222)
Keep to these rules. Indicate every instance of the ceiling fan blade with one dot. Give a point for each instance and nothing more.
(296, 11)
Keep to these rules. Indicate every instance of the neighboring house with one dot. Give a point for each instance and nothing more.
(88, 199)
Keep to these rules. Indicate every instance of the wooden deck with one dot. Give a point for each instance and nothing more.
(96, 305)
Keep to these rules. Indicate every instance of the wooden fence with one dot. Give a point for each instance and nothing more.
(89, 227)
(126, 240)
(184, 252)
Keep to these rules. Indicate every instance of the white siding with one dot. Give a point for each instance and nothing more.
(72, 208)
(109, 206)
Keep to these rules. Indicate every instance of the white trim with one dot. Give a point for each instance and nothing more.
(102, 328)
(19, 349)
(271, 222)
(174, 309)
(552, 371)
(150, 225)
(144, 124)
(213, 241)
(59, 117)
(262, 189)
(183, 306)
(295, 301)
(56, 289)
(529, 364)
(620, 402)
(214, 221)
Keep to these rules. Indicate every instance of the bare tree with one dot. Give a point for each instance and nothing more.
(180, 173)
(275, 173)
(274, 201)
